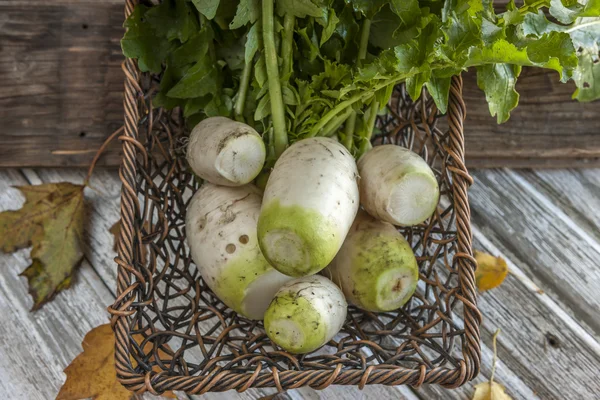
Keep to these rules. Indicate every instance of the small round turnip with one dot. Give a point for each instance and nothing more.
(221, 233)
(397, 185)
(305, 314)
(310, 201)
(376, 267)
(225, 152)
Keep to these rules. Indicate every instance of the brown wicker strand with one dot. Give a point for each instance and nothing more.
(464, 255)
(127, 173)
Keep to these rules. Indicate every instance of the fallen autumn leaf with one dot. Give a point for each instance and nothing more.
(51, 221)
(92, 373)
(491, 271)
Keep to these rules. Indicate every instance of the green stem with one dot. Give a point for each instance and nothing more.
(373, 108)
(289, 21)
(349, 131)
(277, 108)
(357, 97)
(364, 40)
(332, 127)
(362, 54)
(581, 26)
(366, 142)
(240, 102)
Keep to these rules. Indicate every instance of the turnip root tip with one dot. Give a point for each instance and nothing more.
(225, 152)
(397, 185)
(305, 314)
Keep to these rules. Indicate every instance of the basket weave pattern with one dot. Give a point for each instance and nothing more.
(434, 338)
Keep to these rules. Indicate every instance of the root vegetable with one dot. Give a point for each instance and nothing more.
(397, 185)
(310, 201)
(221, 233)
(305, 314)
(225, 152)
(376, 267)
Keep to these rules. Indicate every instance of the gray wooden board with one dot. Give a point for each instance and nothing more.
(556, 252)
(576, 192)
(527, 365)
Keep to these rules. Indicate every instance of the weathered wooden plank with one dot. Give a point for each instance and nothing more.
(61, 81)
(533, 162)
(558, 255)
(547, 129)
(62, 96)
(575, 192)
(539, 347)
(370, 392)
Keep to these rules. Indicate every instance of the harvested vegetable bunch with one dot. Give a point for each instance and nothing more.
(301, 68)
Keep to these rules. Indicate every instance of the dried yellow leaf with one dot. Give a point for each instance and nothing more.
(92, 373)
(490, 272)
(490, 391)
(51, 221)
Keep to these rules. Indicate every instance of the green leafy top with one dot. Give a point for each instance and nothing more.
(299, 68)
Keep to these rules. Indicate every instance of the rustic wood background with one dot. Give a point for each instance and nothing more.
(61, 96)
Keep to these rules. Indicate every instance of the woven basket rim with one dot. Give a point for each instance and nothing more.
(216, 379)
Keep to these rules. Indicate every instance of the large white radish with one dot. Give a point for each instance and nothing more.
(397, 185)
(225, 152)
(376, 267)
(305, 314)
(310, 201)
(221, 233)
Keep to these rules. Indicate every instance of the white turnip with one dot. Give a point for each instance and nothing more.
(310, 201)
(225, 152)
(376, 267)
(397, 185)
(221, 233)
(305, 314)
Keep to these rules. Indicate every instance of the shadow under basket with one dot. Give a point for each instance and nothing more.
(173, 333)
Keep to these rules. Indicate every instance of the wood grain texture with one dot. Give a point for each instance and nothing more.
(575, 192)
(547, 129)
(61, 81)
(546, 243)
(61, 95)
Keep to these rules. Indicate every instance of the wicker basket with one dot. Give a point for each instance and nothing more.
(199, 345)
